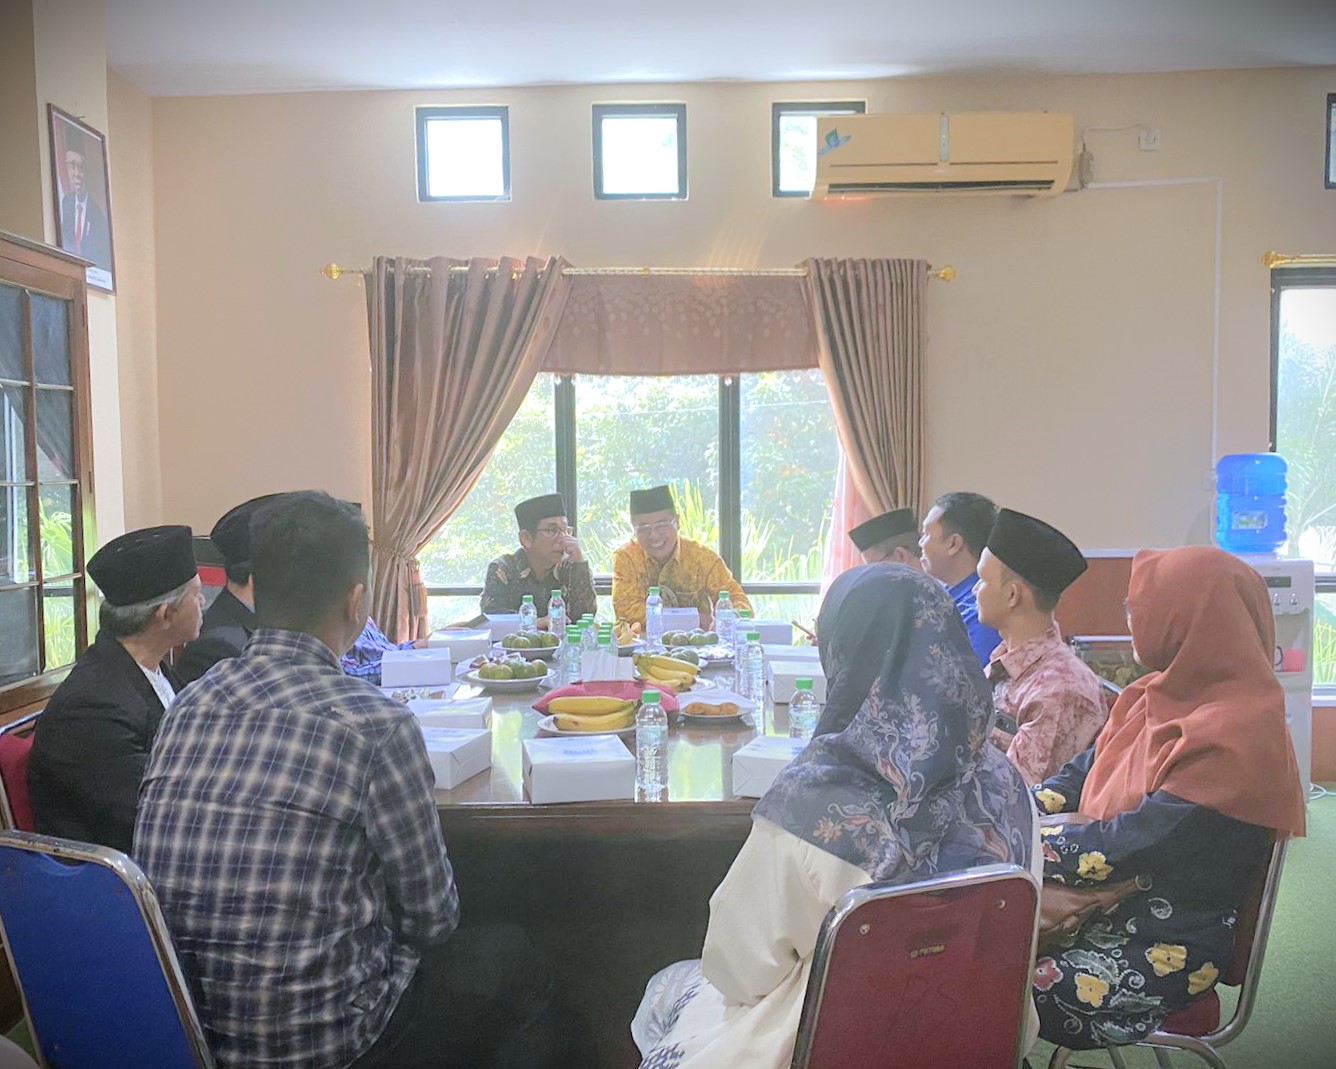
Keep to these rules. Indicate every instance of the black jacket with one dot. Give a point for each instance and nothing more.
(91, 746)
(227, 628)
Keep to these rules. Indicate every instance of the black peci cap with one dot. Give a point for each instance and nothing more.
(145, 564)
(1040, 554)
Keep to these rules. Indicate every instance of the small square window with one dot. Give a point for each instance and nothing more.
(793, 148)
(463, 153)
(640, 151)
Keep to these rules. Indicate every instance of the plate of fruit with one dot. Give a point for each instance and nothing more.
(659, 669)
(508, 675)
(590, 715)
(532, 645)
(704, 645)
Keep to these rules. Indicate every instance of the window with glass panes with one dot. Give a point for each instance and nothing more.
(44, 466)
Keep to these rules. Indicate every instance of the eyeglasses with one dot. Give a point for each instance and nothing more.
(644, 530)
(554, 532)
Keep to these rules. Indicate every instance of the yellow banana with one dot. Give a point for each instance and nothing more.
(673, 664)
(589, 705)
(607, 722)
(676, 680)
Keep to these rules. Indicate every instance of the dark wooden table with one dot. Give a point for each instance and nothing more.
(612, 891)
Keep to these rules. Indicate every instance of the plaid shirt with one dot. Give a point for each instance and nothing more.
(287, 823)
(363, 659)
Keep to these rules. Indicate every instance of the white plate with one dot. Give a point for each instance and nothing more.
(504, 686)
(545, 653)
(735, 718)
(703, 682)
(549, 724)
(403, 695)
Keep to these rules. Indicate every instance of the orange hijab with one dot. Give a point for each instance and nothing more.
(1208, 723)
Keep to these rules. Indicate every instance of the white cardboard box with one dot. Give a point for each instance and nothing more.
(783, 674)
(501, 624)
(415, 668)
(771, 631)
(756, 765)
(781, 652)
(457, 754)
(463, 643)
(681, 619)
(578, 770)
(596, 666)
(471, 713)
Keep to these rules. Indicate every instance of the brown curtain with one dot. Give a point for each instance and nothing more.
(455, 345)
(683, 324)
(870, 341)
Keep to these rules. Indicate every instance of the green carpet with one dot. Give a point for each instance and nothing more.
(1294, 1023)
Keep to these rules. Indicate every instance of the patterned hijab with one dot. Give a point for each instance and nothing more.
(911, 786)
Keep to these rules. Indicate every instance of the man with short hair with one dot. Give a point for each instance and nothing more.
(892, 536)
(230, 620)
(92, 741)
(955, 531)
(288, 825)
(1050, 704)
(688, 574)
(550, 558)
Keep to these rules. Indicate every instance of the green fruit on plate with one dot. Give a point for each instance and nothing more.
(549, 641)
(711, 639)
(537, 669)
(685, 653)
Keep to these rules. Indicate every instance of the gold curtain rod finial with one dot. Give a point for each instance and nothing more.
(1275, 259)
(1272, 260)
(332, 271)
(946, 274)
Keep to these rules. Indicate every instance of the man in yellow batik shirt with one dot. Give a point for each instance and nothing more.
(688, 574)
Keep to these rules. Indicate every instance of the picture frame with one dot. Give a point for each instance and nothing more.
(1331, 141)
(81, 185)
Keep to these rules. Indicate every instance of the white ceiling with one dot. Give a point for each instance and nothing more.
(191, 47)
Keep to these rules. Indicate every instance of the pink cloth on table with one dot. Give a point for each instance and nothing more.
(612, 688)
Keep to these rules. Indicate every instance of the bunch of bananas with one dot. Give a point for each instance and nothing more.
(657, 668)
(592, 713)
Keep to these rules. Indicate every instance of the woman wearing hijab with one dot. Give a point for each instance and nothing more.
(1187, 787)
(907, 788)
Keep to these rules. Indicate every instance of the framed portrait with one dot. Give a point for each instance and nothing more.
(83, 195)
(1331, 140)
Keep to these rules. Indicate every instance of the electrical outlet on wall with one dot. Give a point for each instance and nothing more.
(1148, 139)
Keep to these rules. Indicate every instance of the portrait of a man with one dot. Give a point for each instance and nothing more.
(79, 175)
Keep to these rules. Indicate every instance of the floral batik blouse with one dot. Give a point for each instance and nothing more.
(1115, 979)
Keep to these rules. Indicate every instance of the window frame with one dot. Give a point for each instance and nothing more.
(640, 111)
(41, 270)
(426, 113)
(818, 108)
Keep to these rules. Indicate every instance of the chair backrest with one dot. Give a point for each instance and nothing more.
(928, 974)
(15, 749)
(100, 981)
(1251, 932)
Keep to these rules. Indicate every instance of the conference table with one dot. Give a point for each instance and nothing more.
(612, 891)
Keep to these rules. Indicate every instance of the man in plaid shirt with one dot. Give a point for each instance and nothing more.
(287, 822)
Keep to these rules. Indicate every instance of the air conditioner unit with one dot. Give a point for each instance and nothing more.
(975, 154)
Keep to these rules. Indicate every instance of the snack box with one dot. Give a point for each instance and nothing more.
(463, 643)
(415, 668)
(681, 619)
(783, 674)
(457, 754)
(596, 666)
(471, 713)
(771, 631)
(501, 624)
(790, 653)
(756, 765)
(596, 769)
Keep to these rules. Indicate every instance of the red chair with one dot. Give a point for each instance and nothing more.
(1197, 1028)
(956, 948)
(15, 748)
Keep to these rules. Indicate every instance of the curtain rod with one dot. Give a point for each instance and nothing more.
(1280, 259)
(334, 272)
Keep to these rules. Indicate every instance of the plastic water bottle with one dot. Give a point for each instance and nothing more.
(606, 658)
(803, 710)
(556, 615)
(724, 618)
(588, 635)
(528, 614)
(651, 749)
(570, 654)
(749, 669)
(653, 621)
(1250, 502)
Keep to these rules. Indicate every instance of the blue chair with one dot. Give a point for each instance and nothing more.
(88, 944)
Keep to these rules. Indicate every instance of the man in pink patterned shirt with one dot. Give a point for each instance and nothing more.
(1050, 704)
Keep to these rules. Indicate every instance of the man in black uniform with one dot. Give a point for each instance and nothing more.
(229, 621)
(92, 742)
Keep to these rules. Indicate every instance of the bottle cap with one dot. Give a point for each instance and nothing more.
(654, 590)
(724, 594)
(605, 640)
(650, 696)
(744, 614)
(753, 636)
(556, 593)
(528, 599)
(802, 684)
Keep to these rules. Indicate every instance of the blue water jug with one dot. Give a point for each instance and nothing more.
(1250, 502)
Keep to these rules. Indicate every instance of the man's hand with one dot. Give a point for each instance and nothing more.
(570, 545)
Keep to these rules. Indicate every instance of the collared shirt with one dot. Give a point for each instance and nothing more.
(363, 659)
(982, 637)
(510, 577)
(1055, 699)
(287, 823)
(690, 579)
(161, 687)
